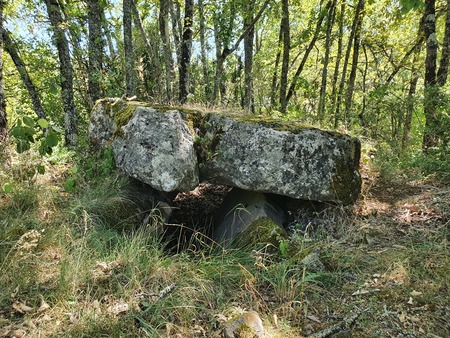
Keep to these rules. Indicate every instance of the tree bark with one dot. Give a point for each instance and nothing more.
(305, 56)
(186, 46)
(410, 103)
(221, 57)
(323, 86)
(165, 39)
(3, 117)
(107, 32)
(445, 54)
(177, 29)
(345, 65)
(285, 31)
(204, 60)
(95, 49)
(338, 63)
(359, 16)
(274, 87)
(128, 47)
(66, 72)
(430, 138)
(248, 99)
(11, 48)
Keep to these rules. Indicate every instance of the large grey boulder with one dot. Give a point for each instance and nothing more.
(166, 148)
(153, 146)
(295, 161)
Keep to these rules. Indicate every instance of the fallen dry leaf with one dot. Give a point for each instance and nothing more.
(314, 319)
(118, 308)
(415, 293)
(44, 306)
(21, 307)
(364, 292)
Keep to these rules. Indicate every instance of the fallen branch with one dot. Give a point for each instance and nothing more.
(344, 325)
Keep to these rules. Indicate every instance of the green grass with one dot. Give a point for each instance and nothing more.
(86, 253)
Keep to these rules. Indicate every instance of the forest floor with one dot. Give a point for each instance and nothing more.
(384, 269)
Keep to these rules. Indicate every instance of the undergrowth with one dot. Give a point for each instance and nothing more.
(80, 262)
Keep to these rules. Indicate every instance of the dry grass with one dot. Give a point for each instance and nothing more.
(68, 271)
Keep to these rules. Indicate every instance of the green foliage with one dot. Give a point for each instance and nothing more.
(27, 131)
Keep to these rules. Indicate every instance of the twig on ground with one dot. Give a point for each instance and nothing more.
(344, 325)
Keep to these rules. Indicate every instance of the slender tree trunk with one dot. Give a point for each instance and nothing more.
(107, 32)
(11, 48)
(345, 65)
(221, 56)
(201, 13)
(306, 55)
(128, 47)
(323, 86)
(337, 65)
(405, 58)
(3, 118)
(285, 29)
(177, 29)
(356, 44)
(445, 54)
(430, 138)
(410, 104)
(186, 47)
(274, 87)
(66, 72)
(248, 99)
(95, 49)
(361, 115)
(148, 45)
(165, 39)
(219, 63)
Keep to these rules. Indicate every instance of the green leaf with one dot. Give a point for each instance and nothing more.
(70, 184)
(74, 169)
(7, 187)
(43, 123)
(52, 139)
(41, 169)
(53, 89)
(28, 121)
(22, 146)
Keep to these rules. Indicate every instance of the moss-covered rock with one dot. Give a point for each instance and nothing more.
(252, 153)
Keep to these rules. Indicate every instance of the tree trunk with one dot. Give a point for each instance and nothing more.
(11, 48)
(248, 99)
(430, 138)
(445, 55)
(305, 56)
(338, 63)
(274, 86)
(177, 29)
(3, 118)
(285, 31)
(359, 16)
(323, 86)
(201, 13)
(128, 47)
(167, 53)
(107, 32)
(345, 65)
(410, 103)
(361, 115)
(186, 47)
(95, 49)
(66, 72)
(221, 56)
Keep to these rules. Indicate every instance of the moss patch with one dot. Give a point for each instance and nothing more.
(262, 230)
